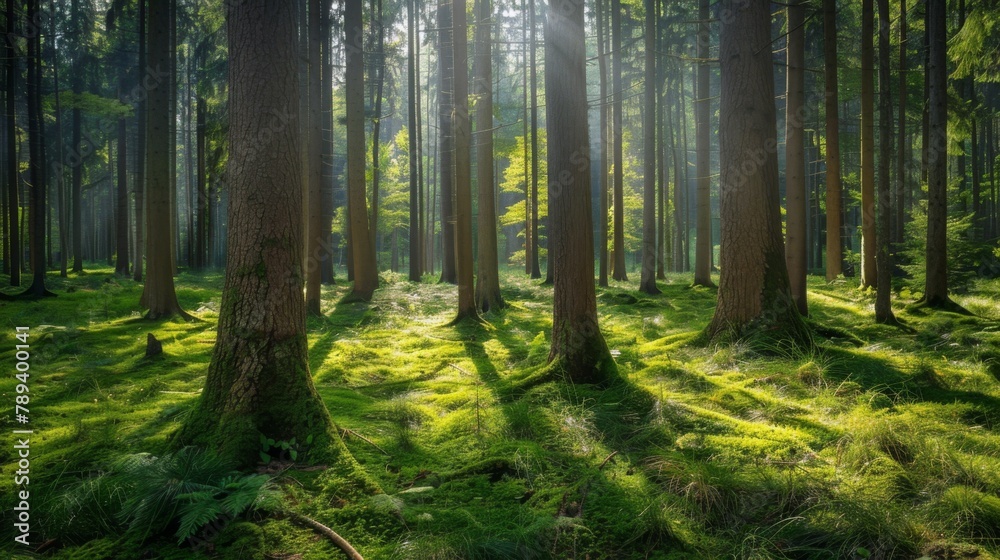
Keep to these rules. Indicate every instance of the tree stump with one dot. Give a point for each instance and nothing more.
(153, 346)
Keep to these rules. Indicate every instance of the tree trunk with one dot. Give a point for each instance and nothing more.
(883, 290)
(602, 65)
(58, 167)
(258, 383)
(363, 253)
(532, 46)
(11, 177)
(158, 294)
(378, 67)
(462, 128)
(578, 348)
(618, 271)
(121, 202)
(488, 297)
(414, 157)
(327, 187)
(795, 158)
(901, 160)
(647, 277)
(446, 146)
(317, 252)
(868, 249)
(754, 298)
(834, 242)
(140, 159)
(936, 287)
(703, 216)
(200, 249)
(36, 160)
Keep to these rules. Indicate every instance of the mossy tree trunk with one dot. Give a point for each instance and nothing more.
(258, 382)
(578, 347)
(754, 296)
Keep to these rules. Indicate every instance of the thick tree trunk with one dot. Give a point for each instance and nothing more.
(365, 273)
(258, 383)
(578, 347)
(883, 291)
(36, 161)
(936, 287)
(463, 166)
(488, 297)
(158, 294)
(618, 271)
(316, 251)
(703, 216)
(754, 298)
(446, 145)
(140, 160)
(795, 158)
(647, 277)
(868, 249)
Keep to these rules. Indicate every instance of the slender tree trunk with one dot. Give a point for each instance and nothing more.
(868, 247)
(379, 70)
(158, 294)
(58, 167)
(678, 198)
(419, 133)
(703, 216)
(663, 237)
(618, 271)
(329, 178)
(795, 158)
(200, 249)
(578, 351)
(140, 160)
(315, 246)
(532, 46)
(363, 253)
(901, 160)
(121, 212)
(647, 277)
(602, 65)
(883, 292)
(936, 287)
(977, 210)
(754, 298)
(13, 184)
(411, 82)
(683, 124)
(524, 129)
(925, 117)
(36, 159)
(488, 295)
(446, 147)
(463, 165)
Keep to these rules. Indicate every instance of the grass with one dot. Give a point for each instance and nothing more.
(882, 443)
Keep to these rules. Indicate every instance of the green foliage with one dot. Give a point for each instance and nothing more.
(965, 256)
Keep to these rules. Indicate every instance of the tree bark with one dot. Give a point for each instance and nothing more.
(488, 297)
(121, 200)
(378, 68)
(158, 294)
(446, 144)
(316, 251)
(703, 216)
(201, 219)
(901, 160)
(618, 271)
(414, 157)
(868, 249)
(602, 65)
(754, 298)
(463, 165)
(647, 277)
(258, 383)
(883, 290)
(36, 160)
(578, 348)
(795, 158)
(11, 177)
(936, 286)
(140, 159)
(532, 46)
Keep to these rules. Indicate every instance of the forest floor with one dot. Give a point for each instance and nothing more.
(880, 443)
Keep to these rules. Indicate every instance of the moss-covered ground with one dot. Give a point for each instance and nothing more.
(880, 443)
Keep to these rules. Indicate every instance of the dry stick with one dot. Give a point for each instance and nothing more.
(347, 431)
(606, 459)
(327, 532)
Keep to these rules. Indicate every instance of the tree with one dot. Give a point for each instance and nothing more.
(158, 294)
(883, 288)
(834, 244)
(532, 45)
(703, 218)
(363, 253)
(754, 297)
(258, 383)
(901, 167)
(603, 108)
(868, 269)
(488, 295)
(463, 165)
(315, 251)
(416, 268)
(618, 252)
(578, 347)
(13, 234)
(140, 158)
(795, 158)
(647, 277)
(446, 143)
(936, 287)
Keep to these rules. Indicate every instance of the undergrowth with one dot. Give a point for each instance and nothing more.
(877, 442)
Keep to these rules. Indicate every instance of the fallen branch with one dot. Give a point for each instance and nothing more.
(327, 532)
(349, 432)
(606, 459)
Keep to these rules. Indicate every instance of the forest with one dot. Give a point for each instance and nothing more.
(500, 279)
